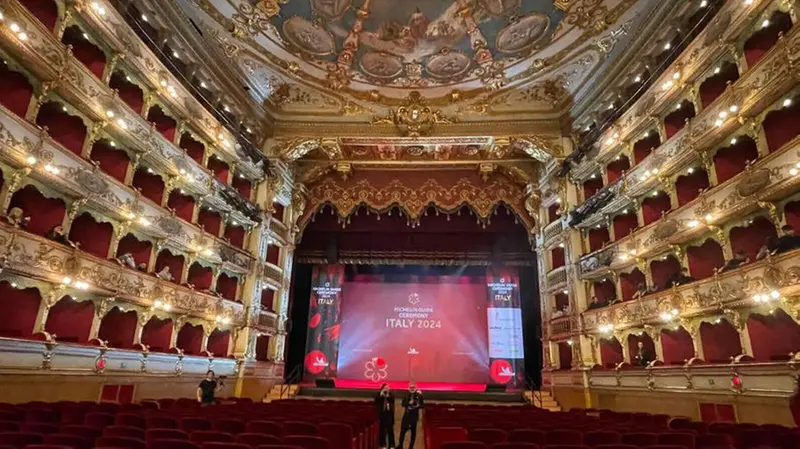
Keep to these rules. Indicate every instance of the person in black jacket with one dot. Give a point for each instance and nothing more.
(384, 405)
(412, 404)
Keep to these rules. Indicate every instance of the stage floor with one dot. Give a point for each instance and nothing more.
(403, 385)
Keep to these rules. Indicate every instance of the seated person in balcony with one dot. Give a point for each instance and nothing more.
(680, 278)
(557, 313)
(643, 356)
(735, 262)
(57, 234)
(16, 217)
(127, 260)
(596, 303)
(770, 247)
(641, 291)
(165, 274)
(142, 267)
(788, 241)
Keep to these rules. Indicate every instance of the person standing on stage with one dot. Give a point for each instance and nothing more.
(412, 404)
(207, 390)
(384, 405)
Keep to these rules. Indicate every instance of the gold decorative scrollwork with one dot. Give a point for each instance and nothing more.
(415, 118)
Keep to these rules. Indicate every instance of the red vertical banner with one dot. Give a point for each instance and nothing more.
(506, 349)
(324, 322)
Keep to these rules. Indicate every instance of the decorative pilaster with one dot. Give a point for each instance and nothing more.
(207, 330)
(144, 318)
(100, 311)
(72, 212)
(14, 183)
(111, 66)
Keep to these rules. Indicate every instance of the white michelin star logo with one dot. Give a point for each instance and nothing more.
(412, 351)
(413, 299)
(319, 361)
(505, 371)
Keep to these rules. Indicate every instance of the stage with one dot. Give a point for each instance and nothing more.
(432, 391)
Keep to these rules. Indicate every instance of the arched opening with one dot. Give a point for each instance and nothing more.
(243, 186)
(689, 186)
(720, 341)
(220, 168)
(764, 39)
(15, 90)
(610, 352)
(227, 285)
(20, 307)
(279, 211)
(200, 277)
(605, 291)
(564, 355)
(750, 238)
(624, 224)
(598, 237)
(273, 254)
(773, 336)
(616, 168)
(677, 346)
(557, 256)
(194, 149)
(165, 124)
(93, 236)
(118, 328)
(139, 249)
(262, 348)
(705, 259)
(209, 220)
(236, 235)
(149, 184)
(641, 356)
(645, 146)
(65, 129)
(70, 320)
(129, 92)
(157, 333)
(44, 10)
(731, 160)
(655, 206)
(174, 262)
(792, 213)
(592, 186)
(190, 339)
(665, 271)
(676, 120)
(715, 85)
(218, 342)
(112, 160)
(182, 203)
(552, 212)
(782, 125)
(45, 213)
(631, 282)
(85, 51)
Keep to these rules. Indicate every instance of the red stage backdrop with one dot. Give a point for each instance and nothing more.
(322, 341)
(433, 331)
(505, 327)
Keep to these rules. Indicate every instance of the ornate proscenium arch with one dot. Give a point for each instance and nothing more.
(414, 192)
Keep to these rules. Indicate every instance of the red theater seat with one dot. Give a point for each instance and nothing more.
(515, 446)
(563, 437)
(120, 442)
(19, 439)
(232, 426)
(165, 434)
(210, 436)
(99, 420)
(46, 446)
(684, 439)
(601, 437)
(306, 442)
(9, 426)
(265, 427)
(73, 441)
(224, 446)
(438, 435)
(463, 445)
(339, 435)
(526, 436)
(639, 439)
(256, 439)
(190, 425)
(130, 420)
(171, 444)
(713, 441)
(81, 431)
(124, 431)
(278, 446)
(299, 428)
(488, 436)
(40, 428)
(161, 422)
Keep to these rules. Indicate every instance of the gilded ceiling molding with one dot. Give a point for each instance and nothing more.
(414, 118)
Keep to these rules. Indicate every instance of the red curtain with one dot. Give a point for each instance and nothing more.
(597, 238)
(715, 85)
(704, 259)
(226, 286)
(279, 211)
(93, 236)
(610, 352)
(218, 342)
(220, 168)
(564, 355)
(65, 129)
(157, 334)
(262, 348)
(150, 184)
(183, 205)
(592, 186)
(629, 283)
(782, 125)
(20, 307)
(731, 160)
(677, 345)
(662, 270)
(15, 91)
(749, 239)
(200, 276)
(165, 124)
(45, 213)
(624, 224)
(210, 221)
(85, 51)
(688, 186)
(675, 121)
(140, 250)
(190, 339)
(174, 262)
(44, 10)
(112, 160)
(633, 345)
(720, 342)
(236, 236)
(773, 336)
(129, 92)
(118, 328)
(654, 206)
(764, 39)
(70, 321)
(792, 213)
(616, 168)
(605, 291)
(557, 256)
(267, 298)
(243, 186)
(194, 149)
(644, 147)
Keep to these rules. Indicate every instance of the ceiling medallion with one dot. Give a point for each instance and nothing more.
(523, 33)
(500, 8)
(330, 9)
(415, 118)
(309, 37)
(448, 64)
(380, 65)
